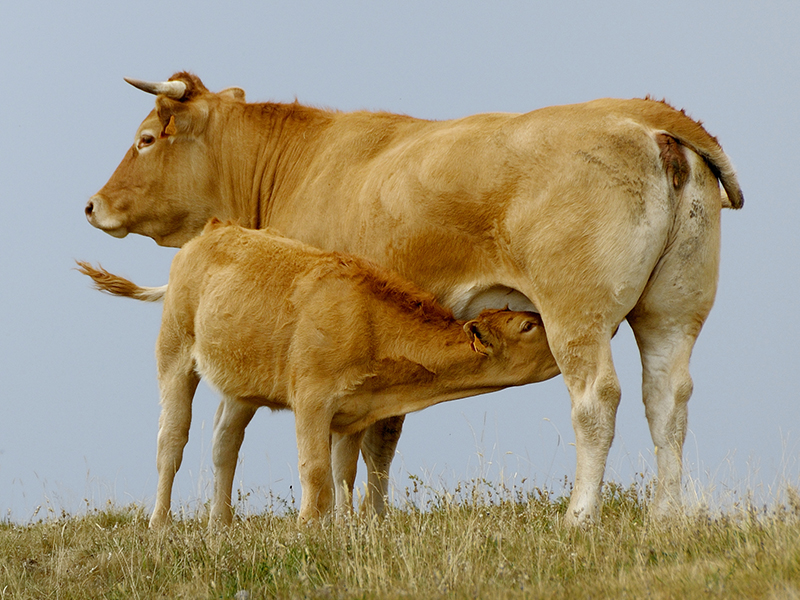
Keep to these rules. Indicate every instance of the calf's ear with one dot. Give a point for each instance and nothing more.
(479, 336)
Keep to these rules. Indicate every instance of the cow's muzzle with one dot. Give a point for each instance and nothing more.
(97, 214)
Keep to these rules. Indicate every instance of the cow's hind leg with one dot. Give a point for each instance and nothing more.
(667, 320)
(178, 382)
(666, 389)
(233, 416)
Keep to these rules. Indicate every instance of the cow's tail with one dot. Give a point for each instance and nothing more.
(693, 135)
(119, 286)
(731, 195)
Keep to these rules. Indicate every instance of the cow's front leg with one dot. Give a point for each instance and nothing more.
(231, 419)
(378, 448)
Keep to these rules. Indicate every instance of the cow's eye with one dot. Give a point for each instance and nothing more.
(527, 326)
(145, 140)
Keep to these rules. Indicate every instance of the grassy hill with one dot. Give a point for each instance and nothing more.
(476, 542)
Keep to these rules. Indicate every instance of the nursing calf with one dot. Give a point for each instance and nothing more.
(272, 322)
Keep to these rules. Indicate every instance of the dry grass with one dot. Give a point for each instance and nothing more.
(476, 542)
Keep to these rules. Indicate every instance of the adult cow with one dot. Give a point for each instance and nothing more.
(589, 214)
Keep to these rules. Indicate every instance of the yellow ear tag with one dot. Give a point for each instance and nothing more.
(478, 347)
(170, 129)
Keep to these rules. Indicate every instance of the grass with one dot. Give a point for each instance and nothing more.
(478, 541)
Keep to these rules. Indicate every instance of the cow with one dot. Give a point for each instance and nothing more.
(589, 214)
(273, 322)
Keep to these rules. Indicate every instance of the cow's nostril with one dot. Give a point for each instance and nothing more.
(89, 208)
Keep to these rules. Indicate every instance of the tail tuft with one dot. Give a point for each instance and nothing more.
(119, 286)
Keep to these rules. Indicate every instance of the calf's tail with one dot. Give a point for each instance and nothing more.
(119, 286)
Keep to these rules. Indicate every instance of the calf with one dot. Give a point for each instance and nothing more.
(272, 322)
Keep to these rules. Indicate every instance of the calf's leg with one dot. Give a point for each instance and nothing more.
(178, 382)
(314, 462)
(233, 416)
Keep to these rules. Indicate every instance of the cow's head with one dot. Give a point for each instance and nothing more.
(166, 186)
(516, 341)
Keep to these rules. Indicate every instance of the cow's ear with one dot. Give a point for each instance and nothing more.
(181, 116)
(233, 92)
(171, 128)
(479, 336)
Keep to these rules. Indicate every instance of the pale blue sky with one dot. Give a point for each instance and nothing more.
(79, 397)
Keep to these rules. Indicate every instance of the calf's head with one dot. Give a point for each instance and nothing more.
(166, 186)
(516, 342)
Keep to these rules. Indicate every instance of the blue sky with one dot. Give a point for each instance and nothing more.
(79, 397)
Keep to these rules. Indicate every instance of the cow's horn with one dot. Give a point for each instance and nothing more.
(171, 89)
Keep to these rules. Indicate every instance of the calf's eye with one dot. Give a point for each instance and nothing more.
(145, 140)
(526, 326)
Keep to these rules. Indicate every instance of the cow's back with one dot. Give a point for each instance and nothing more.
(497, 199)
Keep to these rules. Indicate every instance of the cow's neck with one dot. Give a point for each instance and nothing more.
(263, 147)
